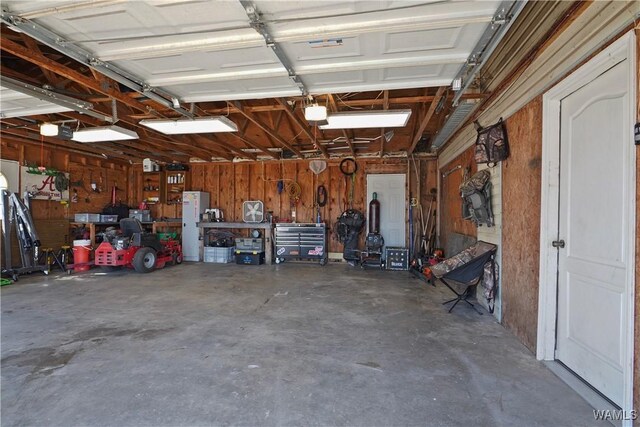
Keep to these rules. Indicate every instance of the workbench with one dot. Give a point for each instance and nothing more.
(156, 226)
(267, 227)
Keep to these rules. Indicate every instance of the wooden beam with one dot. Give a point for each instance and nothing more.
(198, 141)
(30, 136)
(385, 106)
(265, 128)
(33, 45)
(404, 100)
(425, 119)
(303, 126)
(152, 145)
(237, 151)
(334, 108)
(241, 135)
(24, 142)
(57, 68)
(418, 99)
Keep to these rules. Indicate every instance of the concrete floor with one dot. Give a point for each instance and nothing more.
(206, 344)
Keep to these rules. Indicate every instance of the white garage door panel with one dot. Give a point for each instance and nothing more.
(172, 45)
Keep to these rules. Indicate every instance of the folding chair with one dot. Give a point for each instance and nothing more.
(467, 269)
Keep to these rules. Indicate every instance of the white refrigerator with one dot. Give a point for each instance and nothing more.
(193, 205)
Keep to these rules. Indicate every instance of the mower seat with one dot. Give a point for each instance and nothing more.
(132, 228)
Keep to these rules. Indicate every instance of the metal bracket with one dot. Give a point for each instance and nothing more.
(47, 37)
(500, 23)
(53, 97)
(257, 24)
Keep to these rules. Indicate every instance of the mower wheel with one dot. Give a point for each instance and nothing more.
(176, 259)
(144, 261)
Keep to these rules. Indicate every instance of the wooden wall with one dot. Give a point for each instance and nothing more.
(451, 204)
(81, 168)
(521, 180)
(230, 184)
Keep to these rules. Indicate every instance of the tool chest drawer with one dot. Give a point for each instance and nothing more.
(301, 241)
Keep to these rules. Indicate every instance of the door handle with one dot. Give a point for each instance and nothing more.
(558, 243)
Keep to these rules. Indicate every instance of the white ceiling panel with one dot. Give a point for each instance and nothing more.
(379, 79)
(16, 104)
(204, 50)
(241, 89)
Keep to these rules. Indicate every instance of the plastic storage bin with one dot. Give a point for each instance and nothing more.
(218, 255)
(109, 218)
(86, 217)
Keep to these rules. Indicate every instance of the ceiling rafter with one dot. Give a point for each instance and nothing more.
(334, 108)
(79, 150)
(368, 102)
(264, 127)
(57, 68)
(385, 106)
(425, 119)
(303, 126)
(31, 135)
(241, 135)
(33, 45)
(160, 148)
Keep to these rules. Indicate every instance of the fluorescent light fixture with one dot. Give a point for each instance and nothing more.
(367, 119)
(103, 134)
(197, 125)
(48, 129)
(315, 113)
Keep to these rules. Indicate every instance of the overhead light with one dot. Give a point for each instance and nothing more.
(197, 125)
(367, 119)
(103, 134)
(48, 129)
(456, 85)
(315, 113)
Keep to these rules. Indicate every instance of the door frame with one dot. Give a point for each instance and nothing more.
(622, 48)
(406, 193)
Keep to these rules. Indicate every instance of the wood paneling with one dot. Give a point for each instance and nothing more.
(82, 171)
(50, 216)
(521, 180)
(451, 212)
(229, 184)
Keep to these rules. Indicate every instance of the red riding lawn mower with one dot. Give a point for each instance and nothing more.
(134, 248)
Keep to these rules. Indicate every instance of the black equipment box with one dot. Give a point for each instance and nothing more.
(301, 241)
(249, 258)
(396, 258)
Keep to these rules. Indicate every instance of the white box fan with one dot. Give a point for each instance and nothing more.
(253, 211)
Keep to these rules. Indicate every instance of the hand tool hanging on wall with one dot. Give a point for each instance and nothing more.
(349, 167)
(321, 201)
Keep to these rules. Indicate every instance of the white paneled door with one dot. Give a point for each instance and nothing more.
(391, 194)
(593, 265)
